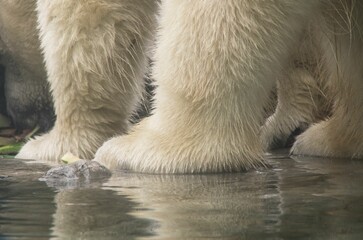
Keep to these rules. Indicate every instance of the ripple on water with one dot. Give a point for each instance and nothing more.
(298, 198)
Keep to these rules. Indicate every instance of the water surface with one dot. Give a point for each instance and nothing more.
(298, 198)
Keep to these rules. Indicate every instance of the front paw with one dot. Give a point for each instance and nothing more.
(42, 148)
(152, 151)
(52, 146)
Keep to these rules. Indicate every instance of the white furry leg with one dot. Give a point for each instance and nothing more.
(95, 59)
(331, 138)
(215, 64)
(299, 105)
(182, 149)
(342, 134)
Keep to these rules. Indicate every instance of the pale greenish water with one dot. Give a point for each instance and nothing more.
(300, 198)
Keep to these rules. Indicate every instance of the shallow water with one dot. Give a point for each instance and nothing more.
(298, 198)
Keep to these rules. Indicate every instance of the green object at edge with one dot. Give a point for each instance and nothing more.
(11, 149)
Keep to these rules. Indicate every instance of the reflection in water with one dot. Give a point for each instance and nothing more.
(323, 199)
(186, 206)
(298, 198)
(22, 209)
(26, 205)
(29, 209)
(93, 213)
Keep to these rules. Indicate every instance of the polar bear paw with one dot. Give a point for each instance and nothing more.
(52, 146)
(327, 139)
(312, 143)
(153, 151)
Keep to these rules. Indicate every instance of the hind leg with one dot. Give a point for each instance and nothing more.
(342, 134)
(297, 108)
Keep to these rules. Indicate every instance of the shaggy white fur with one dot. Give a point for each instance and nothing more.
(215, 64)
(95, 57)
(302, 95)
